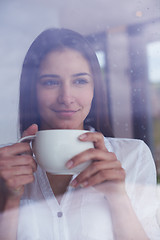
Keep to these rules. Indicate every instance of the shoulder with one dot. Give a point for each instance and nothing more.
(126, 145)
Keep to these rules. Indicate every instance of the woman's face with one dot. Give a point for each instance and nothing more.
(64, 90)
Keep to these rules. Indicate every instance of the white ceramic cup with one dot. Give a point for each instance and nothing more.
(53, 148)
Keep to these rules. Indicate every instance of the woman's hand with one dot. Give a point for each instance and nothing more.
(17, 165)
(104, 173)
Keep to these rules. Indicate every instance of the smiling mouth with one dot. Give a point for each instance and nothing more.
(66, 112)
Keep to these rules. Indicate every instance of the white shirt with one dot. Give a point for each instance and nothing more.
(83, 214)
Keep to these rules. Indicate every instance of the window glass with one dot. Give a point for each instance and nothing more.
(125, 35)
(153, 57)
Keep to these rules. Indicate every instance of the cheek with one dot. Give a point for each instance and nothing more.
(40, 99)
(41, 104)
(88, 97)
(43, 99)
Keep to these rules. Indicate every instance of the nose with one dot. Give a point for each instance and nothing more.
(66, 95)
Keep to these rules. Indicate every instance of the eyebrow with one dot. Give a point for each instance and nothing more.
(48, 75)
(81, 74)
(57, 76)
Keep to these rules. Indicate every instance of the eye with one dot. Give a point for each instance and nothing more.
(50, 82)
(80, 81)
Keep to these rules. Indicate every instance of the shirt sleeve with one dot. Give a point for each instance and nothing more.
(144, 190)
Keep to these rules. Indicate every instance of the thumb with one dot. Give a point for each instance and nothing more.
(31, 130)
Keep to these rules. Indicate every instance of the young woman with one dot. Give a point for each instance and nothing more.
(61, 88)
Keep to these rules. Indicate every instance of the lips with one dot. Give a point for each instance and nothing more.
(66, 113)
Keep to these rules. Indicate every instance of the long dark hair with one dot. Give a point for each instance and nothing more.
(57, 39)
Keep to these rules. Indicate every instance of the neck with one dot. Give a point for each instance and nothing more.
(59, 184)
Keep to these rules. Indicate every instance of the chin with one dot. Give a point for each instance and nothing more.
(69, 126)
(62, 124)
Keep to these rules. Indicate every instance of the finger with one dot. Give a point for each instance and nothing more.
(96, 167)
(18, 181)
(31, 130)
(17, 148)
(103, 176)
(95, 137)
(16, 171)
(21, 160)
(90, 154)
(107, 175)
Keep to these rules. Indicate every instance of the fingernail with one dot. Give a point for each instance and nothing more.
(69, 164)
(84, 184)
(83, 136)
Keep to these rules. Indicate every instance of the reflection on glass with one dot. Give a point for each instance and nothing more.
(125, 36)
(153, 54)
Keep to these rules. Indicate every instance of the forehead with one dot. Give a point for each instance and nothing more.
(65, 58)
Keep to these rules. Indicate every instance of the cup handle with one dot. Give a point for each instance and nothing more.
(30, 138)
(23, 139)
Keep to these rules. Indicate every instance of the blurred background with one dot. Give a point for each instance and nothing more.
(126, 37)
